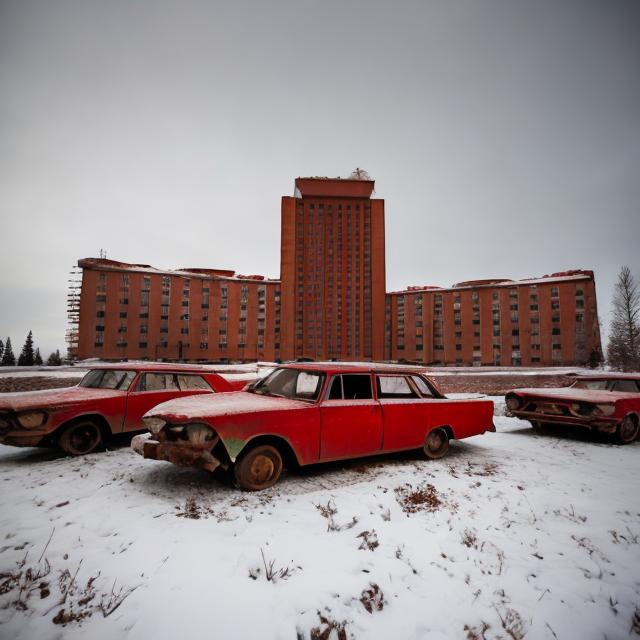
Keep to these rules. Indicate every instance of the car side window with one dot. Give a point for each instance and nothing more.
(394, 387)
(628, 386)
(158, 382)
(191, 382)
(356, 387)
(423, 387)
(335, 390)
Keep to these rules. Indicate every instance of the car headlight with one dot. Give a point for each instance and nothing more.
(514, 402)
(582, 409)
(199, 434)
(154, 424)
(606, 409)
(32, 419)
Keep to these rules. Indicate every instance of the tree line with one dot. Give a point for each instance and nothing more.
(623, 350)
(28, 357)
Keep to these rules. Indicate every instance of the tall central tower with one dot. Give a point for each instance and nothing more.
(333, 271)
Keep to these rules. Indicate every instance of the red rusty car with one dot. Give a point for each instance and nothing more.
(609, 403)
(109, 399)
(307, 413)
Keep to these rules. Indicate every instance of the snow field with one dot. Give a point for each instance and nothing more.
(520, 534)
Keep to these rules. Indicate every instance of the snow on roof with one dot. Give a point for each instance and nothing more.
(199, 273)
(495, 283)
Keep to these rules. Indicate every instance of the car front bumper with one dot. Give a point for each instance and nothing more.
(19, 438)
(599, 423)
(182, 454)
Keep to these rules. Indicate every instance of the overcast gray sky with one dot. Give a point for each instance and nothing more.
(504, 136)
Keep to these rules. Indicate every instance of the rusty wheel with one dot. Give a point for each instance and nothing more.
(258, 469)
(80, 438)
(436, 444)
(628, 429)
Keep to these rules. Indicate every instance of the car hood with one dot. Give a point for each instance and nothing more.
(212, 405)
(577, 395)
(52, 399)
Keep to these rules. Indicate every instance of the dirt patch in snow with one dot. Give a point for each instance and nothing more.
(497, 385)
(9, 385)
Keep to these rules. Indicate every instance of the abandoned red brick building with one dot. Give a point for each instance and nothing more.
(331, 302)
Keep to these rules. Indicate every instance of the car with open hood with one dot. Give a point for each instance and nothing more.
(110, 399)
(307, 413)
(605, 402)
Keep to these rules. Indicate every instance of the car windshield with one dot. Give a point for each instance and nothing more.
(290, 383)
(593, 385)
(108, 379)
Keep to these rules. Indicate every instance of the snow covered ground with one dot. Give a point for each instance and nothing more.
(513, 534)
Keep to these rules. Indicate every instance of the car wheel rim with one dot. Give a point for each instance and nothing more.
(261, 470)
(84, 439)
(628, 430)
(435, 442)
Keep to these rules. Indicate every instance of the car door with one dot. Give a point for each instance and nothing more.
(402, 411)
(351, 419)
(152, 388)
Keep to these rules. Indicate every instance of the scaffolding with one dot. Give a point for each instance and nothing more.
(73, 312)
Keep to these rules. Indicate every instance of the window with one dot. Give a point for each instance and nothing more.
(108, 379)
(394, 387)
(193, 382)
(423, 387)
(352, 386)
(158, 382)
(290, 383)
(628, 386)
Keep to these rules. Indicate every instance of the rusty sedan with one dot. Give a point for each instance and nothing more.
(110, 399)
(309, 413)
(608, 403)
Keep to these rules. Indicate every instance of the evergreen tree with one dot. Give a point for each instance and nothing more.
(26, 355)
(37, 358)
(8, 359)
(54, 360)
(1, 349)
(623, 350)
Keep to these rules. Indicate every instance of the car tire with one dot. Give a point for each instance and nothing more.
(80, 438)
(260, 468)
(436, 444)
(627, 430)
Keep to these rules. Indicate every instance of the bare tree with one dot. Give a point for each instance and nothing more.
(623, 350)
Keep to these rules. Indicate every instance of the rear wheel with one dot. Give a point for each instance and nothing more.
(260, 468)
(80, 438)
(627, 430)
(436, 444)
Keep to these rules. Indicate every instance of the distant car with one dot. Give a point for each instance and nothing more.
(609, 403)
(110, 399)
(307, 413)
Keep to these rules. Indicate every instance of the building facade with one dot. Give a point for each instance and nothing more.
(333, 271)
(549, 321)
(131, 311)
(330, 302)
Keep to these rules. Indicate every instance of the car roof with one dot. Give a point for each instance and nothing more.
(356, 367)
(156, 366)
(608, 376)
